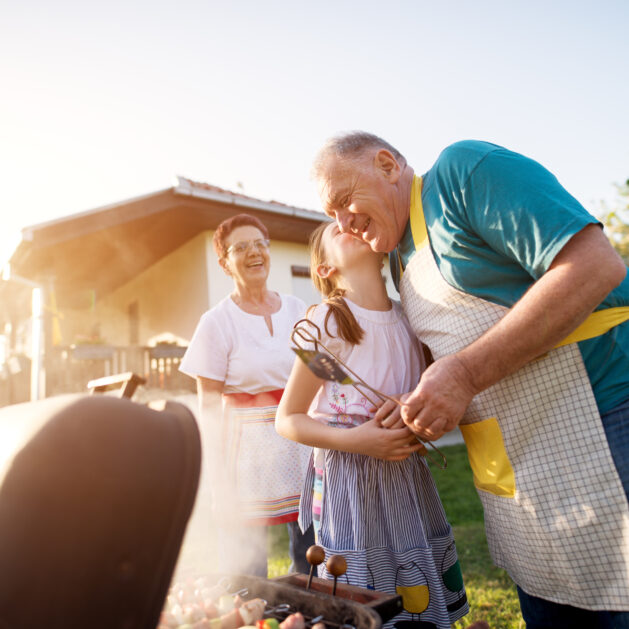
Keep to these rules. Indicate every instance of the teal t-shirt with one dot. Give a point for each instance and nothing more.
(496, 220)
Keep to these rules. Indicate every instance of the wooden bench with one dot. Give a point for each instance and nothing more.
(128, 382)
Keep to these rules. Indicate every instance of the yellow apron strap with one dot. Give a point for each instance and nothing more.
(400, 268)
(418, 223)
(597, 324)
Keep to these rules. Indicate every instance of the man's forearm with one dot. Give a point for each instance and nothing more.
(580, 277)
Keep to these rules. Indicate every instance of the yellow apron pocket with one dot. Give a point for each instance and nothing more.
(488, 458)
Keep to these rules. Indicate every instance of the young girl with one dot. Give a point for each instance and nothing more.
(373, 499)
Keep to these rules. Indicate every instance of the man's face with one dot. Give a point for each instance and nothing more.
(363, 199)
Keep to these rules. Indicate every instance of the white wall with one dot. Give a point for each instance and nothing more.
(391, 290)
(173, 293)
(304, 289)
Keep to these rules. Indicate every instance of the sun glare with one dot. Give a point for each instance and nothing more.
(8, 244)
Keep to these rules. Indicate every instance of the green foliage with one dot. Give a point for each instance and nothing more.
(616, 221)
(491, 592)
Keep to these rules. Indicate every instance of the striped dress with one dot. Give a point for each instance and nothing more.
(384, 517)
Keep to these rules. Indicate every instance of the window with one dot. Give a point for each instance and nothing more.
(302, 285)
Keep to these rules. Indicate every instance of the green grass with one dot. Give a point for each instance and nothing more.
(491, 592)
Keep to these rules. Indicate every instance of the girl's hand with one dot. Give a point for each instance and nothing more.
(390, 444)
(389, 415)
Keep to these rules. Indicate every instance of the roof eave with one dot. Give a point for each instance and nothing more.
(185, 188)
(28, 231)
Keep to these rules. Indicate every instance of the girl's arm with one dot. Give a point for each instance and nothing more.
(293, 422)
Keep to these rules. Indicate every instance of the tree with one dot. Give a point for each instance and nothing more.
(616, 222)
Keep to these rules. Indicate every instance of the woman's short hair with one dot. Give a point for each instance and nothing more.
(227, 227)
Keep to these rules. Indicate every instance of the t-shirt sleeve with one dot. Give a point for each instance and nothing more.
(519, 209)
(208, 353)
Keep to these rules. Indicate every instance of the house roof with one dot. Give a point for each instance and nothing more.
(104, 248)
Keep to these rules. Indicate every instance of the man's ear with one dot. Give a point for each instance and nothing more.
(325, 270)
(224, 266)
(387, 165)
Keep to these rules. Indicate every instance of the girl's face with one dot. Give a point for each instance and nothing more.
(342, 249)
(248, 260)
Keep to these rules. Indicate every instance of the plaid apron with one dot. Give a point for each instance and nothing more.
(556, 515)
(268, 469)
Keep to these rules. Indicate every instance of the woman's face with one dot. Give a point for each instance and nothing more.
(247, 264)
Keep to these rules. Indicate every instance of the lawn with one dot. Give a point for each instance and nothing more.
(491, 592)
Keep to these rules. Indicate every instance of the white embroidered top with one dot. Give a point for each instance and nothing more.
(388, 358)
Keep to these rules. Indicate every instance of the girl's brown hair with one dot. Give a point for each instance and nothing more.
(348, 328)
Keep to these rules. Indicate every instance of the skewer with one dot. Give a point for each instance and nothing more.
(337, 566)
(315, 556)
(284, 610)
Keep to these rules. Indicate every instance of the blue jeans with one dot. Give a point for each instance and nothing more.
(616, 426)
(539, 613)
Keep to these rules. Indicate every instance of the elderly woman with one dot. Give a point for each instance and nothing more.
(240, 356)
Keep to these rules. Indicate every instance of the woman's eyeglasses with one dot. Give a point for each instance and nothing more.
(242, 246)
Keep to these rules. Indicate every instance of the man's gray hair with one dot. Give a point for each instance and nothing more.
(350, 145)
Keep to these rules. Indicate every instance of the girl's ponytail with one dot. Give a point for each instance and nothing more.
(347, 327)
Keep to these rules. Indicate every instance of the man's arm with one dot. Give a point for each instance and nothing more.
(579, 278)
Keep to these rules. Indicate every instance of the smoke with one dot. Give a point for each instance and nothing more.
(218, 539)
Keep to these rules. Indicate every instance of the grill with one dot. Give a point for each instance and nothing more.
(95, 494)
(350, 607)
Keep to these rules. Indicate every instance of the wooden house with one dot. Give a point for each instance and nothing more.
(123, 286)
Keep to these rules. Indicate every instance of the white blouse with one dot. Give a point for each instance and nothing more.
(237, 348)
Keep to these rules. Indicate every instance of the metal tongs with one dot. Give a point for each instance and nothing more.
(330, 367)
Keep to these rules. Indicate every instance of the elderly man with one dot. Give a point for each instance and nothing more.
(525, 305)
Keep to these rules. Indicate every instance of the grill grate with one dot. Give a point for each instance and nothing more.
(284, 599)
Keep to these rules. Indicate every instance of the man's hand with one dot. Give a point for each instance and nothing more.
(372, 439)
(579, 278)
(437, 404)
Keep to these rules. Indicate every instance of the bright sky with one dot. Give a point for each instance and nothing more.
(103, 101)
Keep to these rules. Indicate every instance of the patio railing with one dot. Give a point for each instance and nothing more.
(70, 368)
